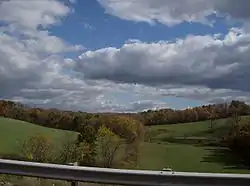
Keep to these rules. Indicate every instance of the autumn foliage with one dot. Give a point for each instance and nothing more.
(112, 130)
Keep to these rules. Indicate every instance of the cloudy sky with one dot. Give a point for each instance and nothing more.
(124, 55)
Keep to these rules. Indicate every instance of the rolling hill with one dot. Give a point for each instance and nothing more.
(155, 155)
(12, 132)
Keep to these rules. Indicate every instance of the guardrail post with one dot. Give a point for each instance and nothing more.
(74, 183)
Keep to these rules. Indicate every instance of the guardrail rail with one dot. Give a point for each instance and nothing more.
(120, 176)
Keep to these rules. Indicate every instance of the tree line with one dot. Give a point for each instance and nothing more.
(202, 113)
(68, 120)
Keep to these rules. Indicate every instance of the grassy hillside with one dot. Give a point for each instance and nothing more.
(189, 158)
(12, 132)
(156, 155)
(196, 129)
(194, 157)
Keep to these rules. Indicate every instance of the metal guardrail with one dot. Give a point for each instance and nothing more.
(120, 176)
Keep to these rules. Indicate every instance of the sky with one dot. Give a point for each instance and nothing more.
(124, 55)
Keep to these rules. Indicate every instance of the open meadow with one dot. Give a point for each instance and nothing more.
(187, 147)
(183, 153)
(14, 132)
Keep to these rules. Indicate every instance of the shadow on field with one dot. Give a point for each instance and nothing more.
(216, 132)
(224, 157)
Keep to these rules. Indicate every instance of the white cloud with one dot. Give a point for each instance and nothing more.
(32, 69)
(219, 67)
(32, 14)
(171, 12)
(194, 60)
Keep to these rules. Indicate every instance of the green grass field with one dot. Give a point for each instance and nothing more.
(195, 129)
(188, 158)
(154, 156)
(13, 132)
(188, 129)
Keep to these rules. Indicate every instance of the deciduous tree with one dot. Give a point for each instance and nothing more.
(37, 148)
(108, 146)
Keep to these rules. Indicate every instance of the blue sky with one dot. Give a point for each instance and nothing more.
(91, 26)
(124, 56)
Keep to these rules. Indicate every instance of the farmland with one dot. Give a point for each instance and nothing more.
(161, 152)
